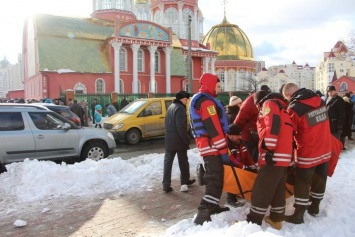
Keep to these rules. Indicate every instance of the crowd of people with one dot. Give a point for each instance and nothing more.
(294, 132)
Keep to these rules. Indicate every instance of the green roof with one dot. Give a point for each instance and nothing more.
(73, 43)
(177, 63)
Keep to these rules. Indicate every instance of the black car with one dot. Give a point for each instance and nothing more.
(64, 111)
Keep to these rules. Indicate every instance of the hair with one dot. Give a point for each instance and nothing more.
(290, 88)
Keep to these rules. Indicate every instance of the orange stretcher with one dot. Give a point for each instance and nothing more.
(240, 182)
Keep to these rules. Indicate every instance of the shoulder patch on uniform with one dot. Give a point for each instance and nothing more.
(211, 110)
(267, 111)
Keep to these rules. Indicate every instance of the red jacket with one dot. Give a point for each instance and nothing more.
(275, 132)
(247, 116)
(311, 127)
(214, 143)
(239, 154)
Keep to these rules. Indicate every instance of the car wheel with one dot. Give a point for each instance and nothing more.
(133, 136)
(94, 151)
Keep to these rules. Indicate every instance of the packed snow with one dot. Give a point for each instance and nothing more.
(34, 180)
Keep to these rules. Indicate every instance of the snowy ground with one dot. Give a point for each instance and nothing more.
(34, 183)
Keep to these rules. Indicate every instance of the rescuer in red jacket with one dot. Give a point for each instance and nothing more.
(246, 119)
(275, 154)
(209, 126)
(313, 140)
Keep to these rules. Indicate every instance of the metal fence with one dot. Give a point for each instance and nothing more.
(104, 99)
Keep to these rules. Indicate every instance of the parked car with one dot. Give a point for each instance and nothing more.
(142, 118)
(35, 132)
(64, 111)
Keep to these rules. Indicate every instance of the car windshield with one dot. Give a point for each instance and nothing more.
(133, 107)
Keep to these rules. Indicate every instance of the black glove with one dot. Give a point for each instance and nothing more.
(268, 158)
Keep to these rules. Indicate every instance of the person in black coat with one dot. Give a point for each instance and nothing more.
(347, 121)
(336, 111)
(233, 108)
(177, 142)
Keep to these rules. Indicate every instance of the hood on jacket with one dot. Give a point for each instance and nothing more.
(208, 83)
(307, 97)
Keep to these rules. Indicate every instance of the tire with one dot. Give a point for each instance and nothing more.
(133, 136)
(94, 151)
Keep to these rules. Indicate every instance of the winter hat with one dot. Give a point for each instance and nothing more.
(346, 99)
(235, 100)
(234, 129)
(182, 94)
(331, 88)
(98, 107)
(258, 96)
(265, 88)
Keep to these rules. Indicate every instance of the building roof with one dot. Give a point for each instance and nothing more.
(77, 44)
(230, 41)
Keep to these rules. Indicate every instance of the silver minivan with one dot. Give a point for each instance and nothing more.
(35, 132)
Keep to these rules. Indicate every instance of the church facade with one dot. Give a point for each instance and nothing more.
(124, 47)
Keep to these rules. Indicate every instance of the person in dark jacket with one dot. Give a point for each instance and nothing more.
(313, 148)
(93, 105)
(124, 102)
(78, 110)
(275, 154)
(349, 113)
(177, 142)
(336, 111)
(233, 108)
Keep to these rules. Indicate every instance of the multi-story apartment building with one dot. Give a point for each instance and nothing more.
(333, 65)
(275, 76)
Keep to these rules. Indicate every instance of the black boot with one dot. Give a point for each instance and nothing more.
(313, 209)
(297, 217)
(216, 209)
(202, 216)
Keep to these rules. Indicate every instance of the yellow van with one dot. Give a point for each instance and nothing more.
(142, 118)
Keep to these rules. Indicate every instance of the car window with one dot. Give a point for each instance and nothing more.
(11, 121)
(133, 107)
(155, 107)
(46, 121)
(168, 103)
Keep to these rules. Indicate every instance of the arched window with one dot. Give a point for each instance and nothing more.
(106, 4)
(185, 19)
(123, 59)
(343, 87)
(80, 89)
(171, 19)
(140, 59)
(100, 86)
(156, 18)
(157, 61)
(220, 75)
(156, 87)
(139, 86)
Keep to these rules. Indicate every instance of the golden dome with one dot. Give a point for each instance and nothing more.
(141, 2)
(230, 41)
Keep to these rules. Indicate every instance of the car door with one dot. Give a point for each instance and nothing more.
(52, 141)
(17, 141)
(154, 119)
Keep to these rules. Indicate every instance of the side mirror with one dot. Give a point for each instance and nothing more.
(66, 126)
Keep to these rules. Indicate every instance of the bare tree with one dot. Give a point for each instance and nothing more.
(253, 83)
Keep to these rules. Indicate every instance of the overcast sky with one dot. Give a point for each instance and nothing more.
(279, 31)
